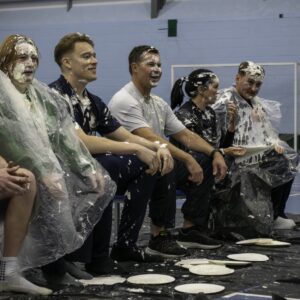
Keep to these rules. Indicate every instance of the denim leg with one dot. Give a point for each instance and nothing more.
(129, 174)
(196, 208)
(138, 187)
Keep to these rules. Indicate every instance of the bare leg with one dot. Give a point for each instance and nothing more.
(16, 222)
(17, 218)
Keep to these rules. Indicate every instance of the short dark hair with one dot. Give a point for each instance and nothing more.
(67, 43)
(137, 52)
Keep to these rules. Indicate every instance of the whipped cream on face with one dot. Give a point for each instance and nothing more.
(18, 73)
(27, 65)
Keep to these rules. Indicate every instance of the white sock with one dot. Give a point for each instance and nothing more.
(17, 283)
(12, 280)
(10, 265)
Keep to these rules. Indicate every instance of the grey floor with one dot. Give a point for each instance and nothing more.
(280, 275)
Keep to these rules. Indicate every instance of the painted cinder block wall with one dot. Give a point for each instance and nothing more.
(208, 32)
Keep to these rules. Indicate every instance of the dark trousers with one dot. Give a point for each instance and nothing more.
(279, 197)
(278, 166)
(129, 174)
(162, 207)
(196, 208)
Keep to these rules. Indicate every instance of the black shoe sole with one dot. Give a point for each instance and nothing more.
(161, 254)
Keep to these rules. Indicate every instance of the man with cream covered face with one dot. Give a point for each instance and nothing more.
(72, 189)
(22, 73)
(149, 116)
(267, 156)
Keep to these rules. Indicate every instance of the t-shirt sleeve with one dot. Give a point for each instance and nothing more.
(128, 112)
(106, 123)
(173, 125)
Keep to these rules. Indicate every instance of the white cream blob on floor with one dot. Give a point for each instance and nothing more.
(273, 244)
(136, 290)
(229, 262)
(150, 279)
(248, 257)
(187, 263)
(211, 270)
(263, 242)
(103, 280)
(253, 241)
(196, 288)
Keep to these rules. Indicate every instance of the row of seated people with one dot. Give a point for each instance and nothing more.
(83, 152)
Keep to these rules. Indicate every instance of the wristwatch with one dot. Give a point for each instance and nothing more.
(212, 153)
(222, 151)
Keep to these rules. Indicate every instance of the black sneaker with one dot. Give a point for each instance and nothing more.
(133, 253)
(74, 270)
(194, 237)
(165, 246)
(105, 266)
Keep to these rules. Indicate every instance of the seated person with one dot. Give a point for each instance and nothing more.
(37, 133)
(17, 196)
(148, 116)
(76, 57)
(268, 159)
(197, 115)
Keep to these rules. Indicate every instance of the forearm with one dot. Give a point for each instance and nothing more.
(123, 135)
(143, 142)
(100, 145)
(175, 152)
(193, 141)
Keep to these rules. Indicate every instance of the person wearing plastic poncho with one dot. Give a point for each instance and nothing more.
(37, 134)
(267, 170)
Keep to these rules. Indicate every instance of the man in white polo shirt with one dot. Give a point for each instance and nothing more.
(150, 117)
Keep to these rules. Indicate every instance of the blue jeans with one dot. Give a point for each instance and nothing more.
(129, 174)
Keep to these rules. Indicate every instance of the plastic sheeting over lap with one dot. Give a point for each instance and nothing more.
(73, 189)
(251, 177)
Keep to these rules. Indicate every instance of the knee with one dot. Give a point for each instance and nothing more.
(31, 187)
(111, 164)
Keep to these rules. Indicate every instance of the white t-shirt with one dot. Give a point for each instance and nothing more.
(133, 111)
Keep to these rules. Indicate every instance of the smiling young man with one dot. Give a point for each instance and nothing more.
(274, 161)
(130, 160)
(150, 117)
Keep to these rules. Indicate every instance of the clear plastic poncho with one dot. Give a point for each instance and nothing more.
(73, 189)
(243, 200)
(255, 132)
